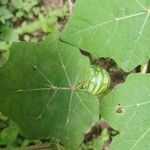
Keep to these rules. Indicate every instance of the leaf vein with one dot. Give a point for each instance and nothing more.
(107, 22)
(146, 132)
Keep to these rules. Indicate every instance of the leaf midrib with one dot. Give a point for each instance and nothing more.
(106, 22)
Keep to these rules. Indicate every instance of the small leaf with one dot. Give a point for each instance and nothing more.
(126, 108)
(4, 14)
(9, 34)
(18, 4)
(9, 135)
(38, 91)
(117, 29)
(4, 54)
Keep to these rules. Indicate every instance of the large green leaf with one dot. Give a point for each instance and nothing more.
(126, 108)
(37, 90)
(117, 29)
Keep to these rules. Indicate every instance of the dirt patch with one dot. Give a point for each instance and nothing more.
(53, 4)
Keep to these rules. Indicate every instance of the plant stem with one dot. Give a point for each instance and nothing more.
(144, 68)
(70, 5)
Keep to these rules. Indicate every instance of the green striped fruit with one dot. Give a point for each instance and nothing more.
(98, 81)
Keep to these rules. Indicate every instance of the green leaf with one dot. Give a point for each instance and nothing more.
(4, 54)
(9, 34)
(117, 29)
(24, 5)
(38, 91)
(9, 135)
(18, 4)
(4, 14)
(3, 2)
(126, 108)
(28, 4)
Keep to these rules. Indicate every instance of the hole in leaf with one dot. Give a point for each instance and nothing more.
(97, 131)
(85, 53)
(119, 109)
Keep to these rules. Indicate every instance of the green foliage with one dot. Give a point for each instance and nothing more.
(24, 6)
(117, 29)
(4, 14)
(39, 82)
(126, 108)
(3, 54)
(9, 135)
(18, 17)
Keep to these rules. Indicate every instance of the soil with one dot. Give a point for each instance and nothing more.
(53, 4)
